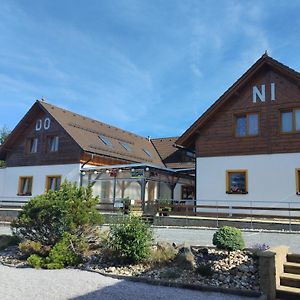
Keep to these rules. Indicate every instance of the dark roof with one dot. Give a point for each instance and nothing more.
(187, 139)
(165, 146)
(91, 136)
(171, 155)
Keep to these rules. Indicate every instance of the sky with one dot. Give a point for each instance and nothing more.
(148, 66)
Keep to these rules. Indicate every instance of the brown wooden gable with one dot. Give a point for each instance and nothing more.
(213, 133)
(15, 150)
(264, 65)
(80, 141)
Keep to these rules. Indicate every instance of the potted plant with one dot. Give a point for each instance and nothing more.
(164, 207)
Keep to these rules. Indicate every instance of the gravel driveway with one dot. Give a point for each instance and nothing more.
(31, 284)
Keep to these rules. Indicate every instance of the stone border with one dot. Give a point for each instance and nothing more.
(190, 286)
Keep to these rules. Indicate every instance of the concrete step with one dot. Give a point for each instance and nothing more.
(287, 293)
(291, 267)
(295, 258)
(290, 280)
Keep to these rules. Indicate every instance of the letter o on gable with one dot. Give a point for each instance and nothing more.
(38, 125)
(47, 123)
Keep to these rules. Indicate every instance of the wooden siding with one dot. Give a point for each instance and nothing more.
(68, 150)
(217, 137)
(98, 160)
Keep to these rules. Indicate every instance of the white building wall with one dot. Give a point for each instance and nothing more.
(177, 191)
(270, 177)
(9, 178)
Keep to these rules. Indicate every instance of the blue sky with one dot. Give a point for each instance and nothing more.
(151, 67)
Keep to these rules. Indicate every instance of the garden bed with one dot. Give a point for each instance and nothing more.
(209, 267)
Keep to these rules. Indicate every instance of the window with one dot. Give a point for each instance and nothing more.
(25, 186)
(104, 140)
(53, 142)
(187, 192)
(290, 121)
(247, 125)
(32, 145)
(147, 152)
(53, 182)
(236, 182)
(125, 146)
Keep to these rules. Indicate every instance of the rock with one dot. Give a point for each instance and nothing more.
(185, 259)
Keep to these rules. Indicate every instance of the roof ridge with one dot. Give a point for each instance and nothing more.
(91, 119)
(165, 138)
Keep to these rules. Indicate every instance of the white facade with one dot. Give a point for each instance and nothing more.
(9, 178)
(271, 180)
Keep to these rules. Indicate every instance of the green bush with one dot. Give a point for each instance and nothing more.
(35, 261)
(228, 238)
(28, 247)
(46, 217)
(131, 239)
(67, 252)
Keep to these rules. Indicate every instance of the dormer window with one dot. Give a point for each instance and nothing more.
(105, 140)
(247, 125)
(53, 142)
(125, 146)
(32, 145)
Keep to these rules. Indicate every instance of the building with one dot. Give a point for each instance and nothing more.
(247, 144)
(51, 144)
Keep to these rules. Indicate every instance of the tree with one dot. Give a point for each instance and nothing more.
(4, 133)
(45, 218)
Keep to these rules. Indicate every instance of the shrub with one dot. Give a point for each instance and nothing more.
(45, 218)
(228, 238)
(28, 247)
(35, 261)
(162, 254)
(67, 252)
(204, 270)
(131, 239)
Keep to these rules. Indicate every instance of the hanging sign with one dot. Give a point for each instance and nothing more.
(138, 173)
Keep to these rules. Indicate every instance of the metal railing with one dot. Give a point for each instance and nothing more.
(286, 212)
(14, 202)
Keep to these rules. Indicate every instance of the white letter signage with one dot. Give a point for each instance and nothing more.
(261, 93)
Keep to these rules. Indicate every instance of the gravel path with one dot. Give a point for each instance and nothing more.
(203, 237)
(31, 284)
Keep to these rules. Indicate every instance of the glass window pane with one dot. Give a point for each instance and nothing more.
(253, 124)
(237, 182)
(297, 119)
(241, 126)
(287, 121)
